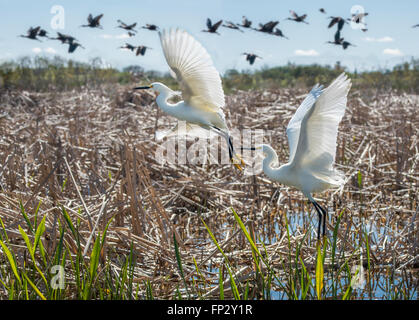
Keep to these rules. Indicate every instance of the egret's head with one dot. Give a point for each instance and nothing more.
(266, 149)
(155, 86)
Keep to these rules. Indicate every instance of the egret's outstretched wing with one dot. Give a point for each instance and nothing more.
(192, 66)
(293, 128)
(316, 146)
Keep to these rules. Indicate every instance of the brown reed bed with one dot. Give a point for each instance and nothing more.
(91, 154)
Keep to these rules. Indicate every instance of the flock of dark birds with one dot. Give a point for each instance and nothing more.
(269, 28)
(92, 22)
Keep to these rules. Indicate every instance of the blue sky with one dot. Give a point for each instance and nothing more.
(390, 38)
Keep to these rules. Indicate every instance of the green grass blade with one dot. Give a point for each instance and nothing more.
(6, 238)
(32, 253)
(367, 246)
(247, 235)
(25, 288)
(149, 291)
(198, 271)
(319, 273)
(179, 296)
(34, 287)
(179, 264)
(69, 223)
(63, 185)
(94, 259)
(4, 285)
(243, 228)
(36, 213)
(305, 280)
(233, 285)
(333, 253)
(12, 290)
(22, 210)
(221, 282)
(11, 261)
(335, 236)
(59, 250)
(39, 232)
(246, 292)
(348, 291)
(27, 241)
(232, 282)
(215, 241)
(106, 230)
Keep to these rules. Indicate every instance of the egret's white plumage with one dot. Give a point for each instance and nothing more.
(200, 83)
(192, 67)
(312, 133)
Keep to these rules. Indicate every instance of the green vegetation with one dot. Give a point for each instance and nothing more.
(91, 279)
(44, 74)
(403, 77)
(112, 276)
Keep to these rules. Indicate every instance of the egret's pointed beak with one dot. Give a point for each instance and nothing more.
(144, 87)
(251, 148)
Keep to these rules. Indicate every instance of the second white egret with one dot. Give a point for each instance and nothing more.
(312, 134)
(200, 83)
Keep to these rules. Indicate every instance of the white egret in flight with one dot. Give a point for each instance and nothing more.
(200, 83)
(312, 133)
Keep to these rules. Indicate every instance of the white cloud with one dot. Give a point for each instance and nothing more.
(47, 50)
(393, 52)
(385, 39)
(306, 53)
(122, 36)
(382, 39)
(119, 36)
(50, 50)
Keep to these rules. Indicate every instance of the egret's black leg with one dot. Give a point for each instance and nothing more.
(320, 213)
(230, 144)
(230, 147)
(324, 216)
(231, 152)
(324, 220)
(216, 128)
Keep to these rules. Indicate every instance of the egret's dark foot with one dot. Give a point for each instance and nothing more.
(237, 162)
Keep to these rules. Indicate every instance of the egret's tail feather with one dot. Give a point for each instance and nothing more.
(338, 178)
(185, 129)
